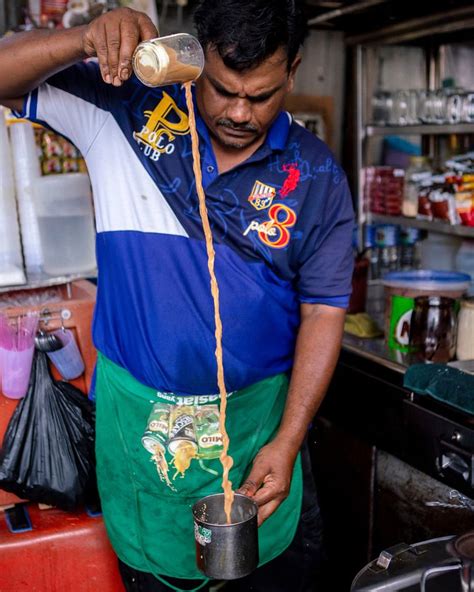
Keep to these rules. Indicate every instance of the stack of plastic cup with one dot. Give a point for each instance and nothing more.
(11, 262)
(16, 354)
(27, 173)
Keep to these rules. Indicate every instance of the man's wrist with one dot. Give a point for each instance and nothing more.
(290, 443)
(65, 47)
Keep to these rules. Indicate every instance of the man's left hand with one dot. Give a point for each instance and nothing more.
(270, 478)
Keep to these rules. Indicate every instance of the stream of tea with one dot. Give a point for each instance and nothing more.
(226, 460)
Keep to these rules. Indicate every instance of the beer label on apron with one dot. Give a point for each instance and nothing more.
(176, 435)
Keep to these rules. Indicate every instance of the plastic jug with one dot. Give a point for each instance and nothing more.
(63, 207)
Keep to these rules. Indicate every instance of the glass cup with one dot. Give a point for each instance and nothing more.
(413, 100)
(168, 60)
(468, 108)
(382, 105)
(67, 360)
(400, 115)
(454, 108)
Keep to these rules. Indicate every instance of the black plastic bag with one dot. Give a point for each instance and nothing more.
(47, 454)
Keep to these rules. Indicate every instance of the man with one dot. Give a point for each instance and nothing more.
(281, 217)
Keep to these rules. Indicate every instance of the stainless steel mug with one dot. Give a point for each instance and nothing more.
(226, 551)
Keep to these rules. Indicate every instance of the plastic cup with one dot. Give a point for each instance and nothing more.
(226, 551)
(68, 359)
(15, 371)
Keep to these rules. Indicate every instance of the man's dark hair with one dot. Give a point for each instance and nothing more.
(246, 32)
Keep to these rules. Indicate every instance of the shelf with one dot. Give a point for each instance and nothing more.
(47, 281)
(429, 225)
(415, 130)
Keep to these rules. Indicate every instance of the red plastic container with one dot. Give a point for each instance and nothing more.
(65, 552)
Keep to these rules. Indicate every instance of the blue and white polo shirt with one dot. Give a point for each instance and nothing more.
(281, 221)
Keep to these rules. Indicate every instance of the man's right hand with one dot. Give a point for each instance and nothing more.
(113, 38)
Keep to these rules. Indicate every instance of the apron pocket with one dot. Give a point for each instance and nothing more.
(167, 535)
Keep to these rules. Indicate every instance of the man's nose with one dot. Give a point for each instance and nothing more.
(239, 111)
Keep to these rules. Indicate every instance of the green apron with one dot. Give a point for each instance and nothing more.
(150, 525)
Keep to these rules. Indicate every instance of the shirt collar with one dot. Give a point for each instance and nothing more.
(278, 132)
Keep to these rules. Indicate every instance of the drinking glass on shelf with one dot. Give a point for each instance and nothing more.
(413, 107)
(400, 108)
(432, 106)
(439, 106)
(382, 105)
(467, 109)
(454, 108)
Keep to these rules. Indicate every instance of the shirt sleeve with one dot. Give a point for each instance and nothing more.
(325, 260)
(75, 103)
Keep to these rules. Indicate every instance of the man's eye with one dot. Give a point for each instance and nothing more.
(259, 99)
(224, 93)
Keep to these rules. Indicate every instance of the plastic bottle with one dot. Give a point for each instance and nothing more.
(465, 261)
(409, 253)
(418, 171)
(386, 239)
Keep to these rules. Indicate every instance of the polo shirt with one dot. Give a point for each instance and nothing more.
(281, 222)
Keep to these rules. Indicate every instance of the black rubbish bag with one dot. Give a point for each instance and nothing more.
(47, 454)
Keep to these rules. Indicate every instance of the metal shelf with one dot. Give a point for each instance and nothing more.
(422, 130)
(429, 225)
(47, 281)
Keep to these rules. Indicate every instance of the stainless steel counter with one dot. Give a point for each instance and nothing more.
(377, 351)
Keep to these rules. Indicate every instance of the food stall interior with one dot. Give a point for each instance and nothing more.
(390, 87)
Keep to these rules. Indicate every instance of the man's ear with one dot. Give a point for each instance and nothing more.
(292, 73)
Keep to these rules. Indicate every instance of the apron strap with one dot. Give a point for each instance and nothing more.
(166, 583)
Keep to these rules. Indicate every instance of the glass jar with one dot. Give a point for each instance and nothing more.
(382, 106)
(168, 60)
(465, 344)
(433, 328)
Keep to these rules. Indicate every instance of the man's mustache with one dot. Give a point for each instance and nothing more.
(247, 127)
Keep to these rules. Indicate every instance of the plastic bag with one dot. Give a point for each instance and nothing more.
(47, 454)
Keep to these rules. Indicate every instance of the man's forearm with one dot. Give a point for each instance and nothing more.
(27, 59)
(317, 350)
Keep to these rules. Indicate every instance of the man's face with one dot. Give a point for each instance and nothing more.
(239, 107)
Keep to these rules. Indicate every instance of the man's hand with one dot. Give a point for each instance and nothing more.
(270, 478)
(113, 38)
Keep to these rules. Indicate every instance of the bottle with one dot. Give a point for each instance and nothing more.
(372, 250)
(168, 60)
(409, 254)
(465, 343)
(417, 172)
(386, 239)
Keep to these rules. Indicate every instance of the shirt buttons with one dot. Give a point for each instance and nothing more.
(210, 168)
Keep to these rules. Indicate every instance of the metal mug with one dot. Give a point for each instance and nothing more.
(226, 551)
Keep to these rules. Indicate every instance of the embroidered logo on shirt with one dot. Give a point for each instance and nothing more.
(262, 195)
(162, 125)
(292, 180)
(274, 232)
